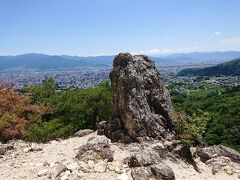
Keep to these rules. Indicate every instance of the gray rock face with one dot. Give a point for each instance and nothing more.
(141, 103)
(142, 173)
(96, 148)
(162, 171)
(148, 165)
(145, 158)
(155, 172)
(218, 150)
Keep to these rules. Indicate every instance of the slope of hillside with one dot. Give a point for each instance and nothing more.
(231, 68)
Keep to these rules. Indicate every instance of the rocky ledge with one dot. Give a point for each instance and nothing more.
(79, 158)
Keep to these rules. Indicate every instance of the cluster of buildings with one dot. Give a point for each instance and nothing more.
(64, 79)
(83, 78)
(183, 84)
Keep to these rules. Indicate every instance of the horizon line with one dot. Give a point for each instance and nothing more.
(156, 55)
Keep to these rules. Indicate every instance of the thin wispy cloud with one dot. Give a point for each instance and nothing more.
(217, 33)
(232, 41)
(157, 51)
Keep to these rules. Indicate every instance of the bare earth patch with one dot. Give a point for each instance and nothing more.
(37, 161)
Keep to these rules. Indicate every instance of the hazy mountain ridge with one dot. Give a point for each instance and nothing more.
(207, 55)
(231, 68)
(46, 62)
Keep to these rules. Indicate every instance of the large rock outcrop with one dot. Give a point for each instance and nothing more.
(217, 151)
(141, 103)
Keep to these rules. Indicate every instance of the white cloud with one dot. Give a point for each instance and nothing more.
(187, 49)
(232, 41)
(156, 51)
(217, 33)
(136, 53)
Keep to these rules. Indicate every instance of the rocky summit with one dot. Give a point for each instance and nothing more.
(94, 157)
(141, 103)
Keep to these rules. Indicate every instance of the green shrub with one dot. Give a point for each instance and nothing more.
(70, 110)
(223, 108)
(190, 128)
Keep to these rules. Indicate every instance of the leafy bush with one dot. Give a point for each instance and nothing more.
(223, 108)
(190, 128)
(70, 109)
(16, 113)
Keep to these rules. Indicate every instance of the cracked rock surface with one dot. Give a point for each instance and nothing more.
(141, 103)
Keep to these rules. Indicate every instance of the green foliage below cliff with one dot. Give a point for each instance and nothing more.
(69, 110)
(47, 113)
(223, 108)
(231, 68)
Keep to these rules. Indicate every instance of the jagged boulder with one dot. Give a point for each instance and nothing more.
(148, 165)
(141, 103)
(142, 173)
(217, 151)
(154, 172)
(97, 148)
(144, 158)
(162, 171)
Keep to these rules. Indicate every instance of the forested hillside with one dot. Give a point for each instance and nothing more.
(231, 68)
(222, 106)
(42, 112)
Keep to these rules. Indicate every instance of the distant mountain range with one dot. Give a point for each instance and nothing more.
(213, 55)
(47, 62)
(231, 68)
(44, 62)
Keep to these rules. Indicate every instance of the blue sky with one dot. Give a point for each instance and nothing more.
(103, 27)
